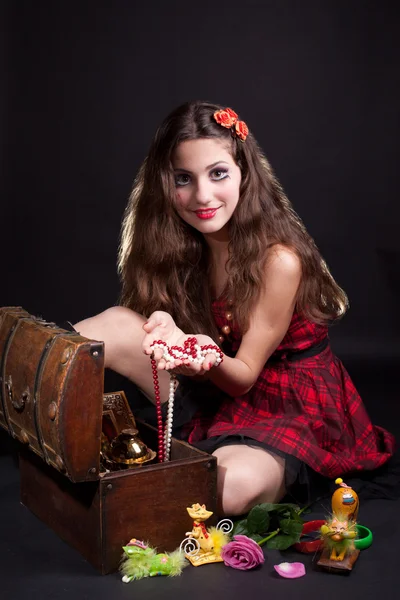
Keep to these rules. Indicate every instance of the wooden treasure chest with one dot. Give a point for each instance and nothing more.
(52, 401)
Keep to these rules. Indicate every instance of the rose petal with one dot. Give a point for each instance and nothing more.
(231, 113)
(290, 570)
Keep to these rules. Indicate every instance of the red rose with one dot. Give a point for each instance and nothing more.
(226, 117)
(242, 131)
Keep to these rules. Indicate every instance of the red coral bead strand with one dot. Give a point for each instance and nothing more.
(160, 426)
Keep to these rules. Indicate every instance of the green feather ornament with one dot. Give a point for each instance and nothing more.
(140, 560)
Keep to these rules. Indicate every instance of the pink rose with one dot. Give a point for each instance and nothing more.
(242, 553)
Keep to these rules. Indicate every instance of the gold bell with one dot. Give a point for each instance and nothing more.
(128, 449)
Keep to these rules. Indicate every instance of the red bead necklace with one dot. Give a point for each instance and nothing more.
(194, 353)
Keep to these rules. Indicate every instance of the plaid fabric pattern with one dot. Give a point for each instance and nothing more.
(309, 408)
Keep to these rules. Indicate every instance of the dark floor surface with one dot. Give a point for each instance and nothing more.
(36, 564)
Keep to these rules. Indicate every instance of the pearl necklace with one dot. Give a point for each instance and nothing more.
(194, 353)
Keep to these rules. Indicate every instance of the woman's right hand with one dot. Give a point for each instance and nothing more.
(160, 326)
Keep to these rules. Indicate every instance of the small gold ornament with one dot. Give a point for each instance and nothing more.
(127, 449)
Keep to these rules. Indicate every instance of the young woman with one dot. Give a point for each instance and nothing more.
(212, 248)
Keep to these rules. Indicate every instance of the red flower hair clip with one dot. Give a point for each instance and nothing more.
(229, 119)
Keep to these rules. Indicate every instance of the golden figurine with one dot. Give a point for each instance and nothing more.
(205, 543)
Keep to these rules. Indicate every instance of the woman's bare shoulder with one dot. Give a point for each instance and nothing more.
(283, 260)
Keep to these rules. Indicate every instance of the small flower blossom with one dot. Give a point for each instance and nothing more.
(226, 117)
(242, 131)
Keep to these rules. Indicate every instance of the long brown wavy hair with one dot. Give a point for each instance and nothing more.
(164, 263)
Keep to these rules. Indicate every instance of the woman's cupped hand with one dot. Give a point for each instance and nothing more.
(161, 326)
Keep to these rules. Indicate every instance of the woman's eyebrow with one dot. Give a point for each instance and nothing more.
(207, 168)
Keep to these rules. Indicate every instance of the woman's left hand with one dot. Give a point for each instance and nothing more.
(186, 367)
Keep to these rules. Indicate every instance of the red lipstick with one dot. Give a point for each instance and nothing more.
(208, 213)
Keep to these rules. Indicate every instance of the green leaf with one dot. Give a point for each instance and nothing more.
(290, 506)
(256, 537)
(291, 511)
(268, 506)
(296, 517)
(305, 510)
(240, 528)
(291, 527)
(287, 509)
(282, 541)
(258, 519)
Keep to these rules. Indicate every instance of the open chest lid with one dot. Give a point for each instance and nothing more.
(51, 392)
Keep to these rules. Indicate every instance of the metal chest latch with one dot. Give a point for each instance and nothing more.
(17, 404)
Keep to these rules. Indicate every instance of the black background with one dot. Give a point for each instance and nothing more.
(87, 83)
(84, 86)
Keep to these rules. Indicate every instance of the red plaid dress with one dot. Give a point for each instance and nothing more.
(309, 408)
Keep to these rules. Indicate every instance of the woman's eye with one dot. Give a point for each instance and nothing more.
(182, 179)
(218, 174)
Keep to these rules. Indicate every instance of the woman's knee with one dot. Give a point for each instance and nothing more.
(114, 321)
(119, 328)
(244, 483)
(237, 491)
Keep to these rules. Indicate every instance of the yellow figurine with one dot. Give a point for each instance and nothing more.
(339, 536)
(345, 501)
(208, 542)
(340, 530)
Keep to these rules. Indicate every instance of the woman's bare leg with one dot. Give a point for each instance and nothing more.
(248, 476)
(121, 331)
